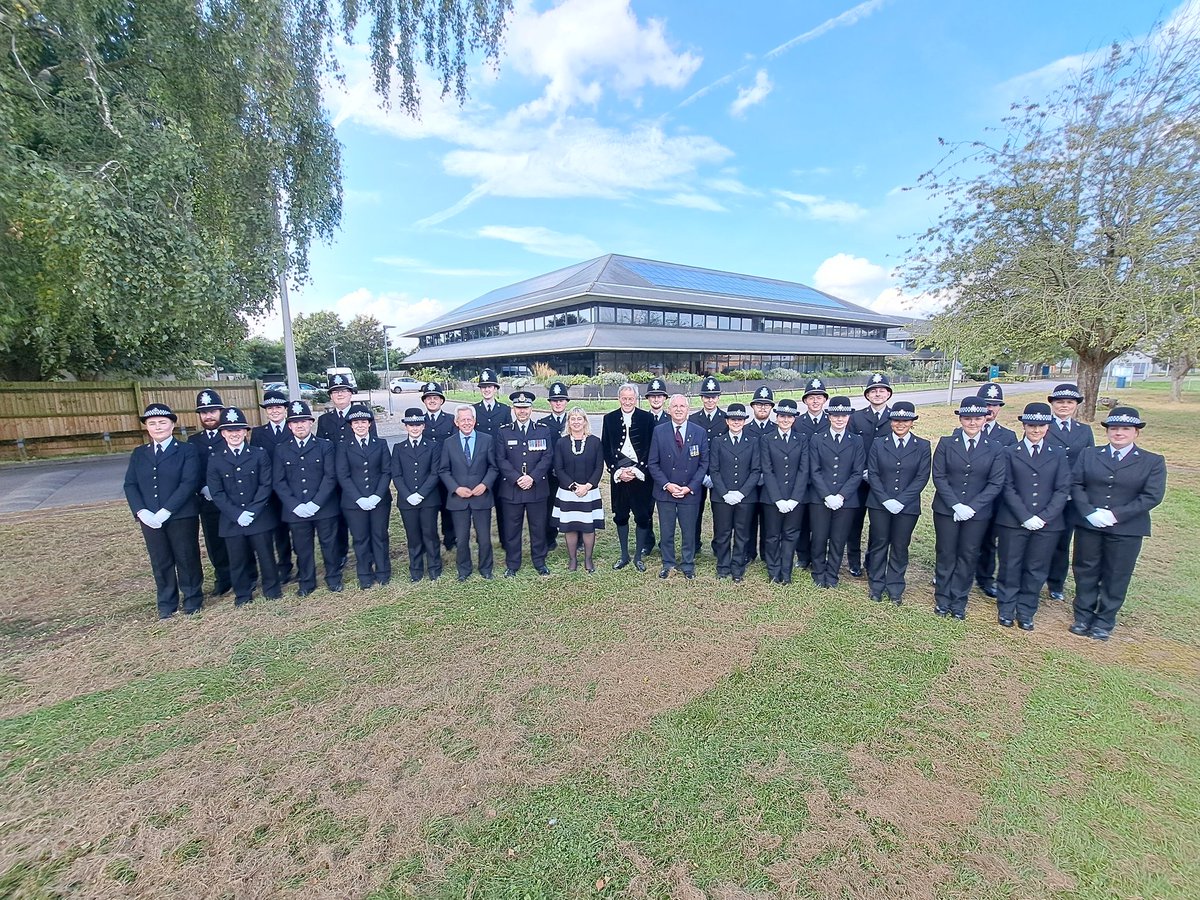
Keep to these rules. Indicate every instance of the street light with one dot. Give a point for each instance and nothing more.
(387, 367)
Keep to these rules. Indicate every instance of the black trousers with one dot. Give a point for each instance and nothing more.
(829, 530)
(683, 515)
(447, 518)
(243, 549)
(481, 521)
(957, 547)
(756, 545)
(636, 497)
(421, 535)
(782, 531)
(1024, 561)
(985, 571)
(372, 553)
(304, 536)
(214, 545)
(1103, 567)
(1060, 561)
(804, 537)
(174, 551)
(551, 528)
(854, 556)
(731, 536)
(512, 535)
(888, 537)
(700, 519)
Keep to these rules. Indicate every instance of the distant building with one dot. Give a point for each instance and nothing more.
(618, 313)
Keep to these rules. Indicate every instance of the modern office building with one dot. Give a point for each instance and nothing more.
(621, 314)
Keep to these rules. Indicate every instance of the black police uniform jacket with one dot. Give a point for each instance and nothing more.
(835, 467)
(1035, 487)
(1005, 437)
(1079, 438)
(517, 454)
(713, 427)
(659, 417)
(758, 430)
(490, 422)
(364, 473)
(1129, 488)
(784, 467)
(306, 476)
(206, 447)
(896, 474)
(170, 482)
(440, 428)
(336, 428)
(613, 433)
(735, 467)
(557, 429)
(976, 479)
(415, 471)
(864, 424)
(264, 436)
(242, 483)
(805, 425)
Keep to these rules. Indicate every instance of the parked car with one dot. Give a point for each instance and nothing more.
(307, 391)
(404, 383)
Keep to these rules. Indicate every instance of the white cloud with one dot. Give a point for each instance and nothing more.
(868, 284)
(693, 201)
(752, 95)
(729, 185)
(815, 206)
(543, 241)
(391, 308)
(416, 265)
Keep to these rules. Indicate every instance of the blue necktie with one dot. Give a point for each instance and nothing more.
(467, 448)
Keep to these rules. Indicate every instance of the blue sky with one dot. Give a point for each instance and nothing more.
(760, 137)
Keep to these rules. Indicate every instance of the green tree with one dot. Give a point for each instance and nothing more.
(1074, 227)
(363, 339)
(315, 336)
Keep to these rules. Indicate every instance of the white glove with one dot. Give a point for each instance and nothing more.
(1034, 523)
(865, 473)
(792, 504)
(707, 481)
(781, 505)
(245, 518)
(893, 506)
(1109, 518)
(639, 474)
(834, 502)
(733, 498)
(162, 515)
(364, 503)
(311, 507)
(375, 501)
(963, 513)
(413, 499)
(206, 493)
(148, 519)
(302, 511)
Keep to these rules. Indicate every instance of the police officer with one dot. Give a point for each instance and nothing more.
(678, 463)
(869, 423)
(733, 465)
(993, 432)
(269, 436)
(968, 476)
(760, 425)
(557, 397)
(898, 470)
(439, 428)
(712, 420)
(364, 472)
(239, 479)
(812, 420)
(1113, 489)
(836, 462)
(208, 441)
(415, 464)
(1074, 437)
(625, 439)
(784, 459)
(524, 455)
(1037, 489)
(656, 399)
(304, 476)
(490, 415)
(160, 487)
(334, 425)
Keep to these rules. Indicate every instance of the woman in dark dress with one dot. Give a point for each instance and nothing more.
(578, 509)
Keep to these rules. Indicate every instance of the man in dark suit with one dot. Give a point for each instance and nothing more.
(269, 437)
(993, 432)
(1073, 437)
(836, 462)
(712, 420)
(678, 463)
(1113, 489)
(869, 423)
(625, 439)
(334, 425)
(468, 471)
(898, 469)
(557, 397)
(415, 464)
(160, 487)
(439, 427)
(784, 459)
(524, 454)
(733, 465)
(304, 476)
(656, 399)
(208, 441)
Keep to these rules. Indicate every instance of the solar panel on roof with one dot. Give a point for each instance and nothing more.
(727, 283)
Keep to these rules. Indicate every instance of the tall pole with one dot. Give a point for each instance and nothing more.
(334, 349)
(289, 341)
(387, 368)
(950, 384)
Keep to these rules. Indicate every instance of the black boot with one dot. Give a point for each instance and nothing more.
(623, 537)
(645, 543)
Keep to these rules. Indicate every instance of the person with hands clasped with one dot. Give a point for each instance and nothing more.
(364, 471)
(678, 464)
(468, 470)
(415, 464)
(1113, 489)
(239, 479)
(836, 460)
(784, 459)
(735, 469)
(968, 476)
(578, 508)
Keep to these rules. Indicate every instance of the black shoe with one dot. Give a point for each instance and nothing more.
(510, 573)
(665, 573)
(365, 585)
(737, 579)
(1100, 634)
(450, 545)
(878, 598)
(1026, 626)
(991, 591)
(639, 564)
(856, 571)
(541, 570)
(1057, 595)
(721, 576)
(621, 563)
(962, 617)
(462, 578)
(435, 577)
(1080, 629)
(591, 569)
(897, 601)
(220, 592)
(383, 582)
(941, 611)
(304, 592)
(1007, 623)
(551, 546)
(415, 579)
(689, 575)
(486, 576)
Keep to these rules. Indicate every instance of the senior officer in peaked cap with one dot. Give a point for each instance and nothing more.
(239, 478)
(208, 441)
(735, 469)
(304, 475)
(439, 427)
(784, 459)
(870, 423)
(524, 454)
(761, 404)
(993, 432)
(364, 472)
(1113, 489)
(1037, 488)
(415, 464)
(656, 399)
(270, 436)
(712, 420)
(1073, 437)
(836, 462)
(160, 487)
(557, 396)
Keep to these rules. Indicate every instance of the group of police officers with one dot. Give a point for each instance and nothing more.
(794, 485)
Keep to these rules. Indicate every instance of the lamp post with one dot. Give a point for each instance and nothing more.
(387, 367)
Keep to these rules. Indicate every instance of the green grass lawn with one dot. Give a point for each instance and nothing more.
(603, 736)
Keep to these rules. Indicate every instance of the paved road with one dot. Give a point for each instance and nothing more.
(94, 479)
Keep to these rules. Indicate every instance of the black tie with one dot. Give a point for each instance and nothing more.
(158, 450)
(363, 442)
(1064, 425)
(679, 438)
(970, 446)
(1036, 450)
(1116, 455)
(837, 438)
(212, 435)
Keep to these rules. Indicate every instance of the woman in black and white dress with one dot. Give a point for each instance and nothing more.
(578, 509)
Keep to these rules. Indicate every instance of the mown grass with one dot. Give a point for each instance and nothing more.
(524, 739)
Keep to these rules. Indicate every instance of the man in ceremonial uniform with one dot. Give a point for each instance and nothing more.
(712, 420)
(758, 427)
(678, 463)
(439, 427)
(160, 487)
(1073, 437)
(868, 423)
(733, 465)
(269, 437)
(836, 462)
(784, 459)
(625, 439)
(993, 432)
(304, 476)
(557, 397)
(208, 441)
(415, 464)
(468, 471)
(656, 398)
(524, 455)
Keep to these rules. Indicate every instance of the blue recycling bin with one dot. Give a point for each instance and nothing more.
(1122, 382)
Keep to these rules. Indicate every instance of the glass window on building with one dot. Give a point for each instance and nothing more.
(606, 314)
(655, 318)
(624, 315)
(671, 319)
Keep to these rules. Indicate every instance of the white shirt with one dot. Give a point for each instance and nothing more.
(627, 447)
(1063, 422)
(900, 441)
(967, 441)
(1029, 446)
(163, 445)
(1120, 453)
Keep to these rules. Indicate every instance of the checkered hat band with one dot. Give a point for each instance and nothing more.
(1122, 420)
(1036, 419)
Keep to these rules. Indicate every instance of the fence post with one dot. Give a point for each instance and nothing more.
(138, 405)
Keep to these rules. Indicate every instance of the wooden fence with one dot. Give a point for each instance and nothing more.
(39, 420)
